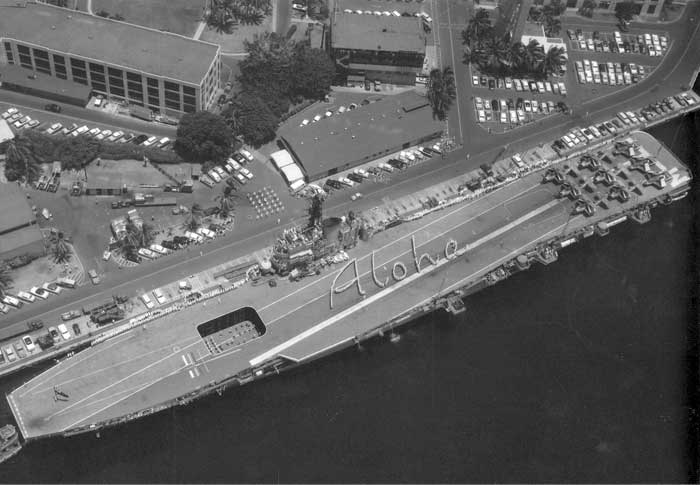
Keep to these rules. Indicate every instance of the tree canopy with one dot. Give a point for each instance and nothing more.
(441, 91)
(257, 123)
(624, 11)
(203, 136)
(313, 72)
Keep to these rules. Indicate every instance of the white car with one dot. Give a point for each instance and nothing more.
(40, 292)
(479, 103)
(475, 81)
(246, 173)
(80, 131)
(9, 113)
(22, 121)
(540, 87)
(115, 136)
(147, 301)
(160, 297)
(94, 132)
(163, 142)
(562, 88)
(346, 181)
(104, 134)
(63, 331)
(214, 176)
(54, 128)
(150, 141)
(482, 116)
(246, 154)
(29, 343)
(509, 83)
(220, 171)
(28, 297)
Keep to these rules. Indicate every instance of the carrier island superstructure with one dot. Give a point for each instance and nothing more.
(239, 332)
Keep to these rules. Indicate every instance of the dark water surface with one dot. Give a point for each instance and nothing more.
(579, 371)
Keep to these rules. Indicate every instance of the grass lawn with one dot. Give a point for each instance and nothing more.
(233, 42)
(177, 16)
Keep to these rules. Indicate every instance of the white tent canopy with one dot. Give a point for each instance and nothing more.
(6, 133)
(281, 159)
(292, 173)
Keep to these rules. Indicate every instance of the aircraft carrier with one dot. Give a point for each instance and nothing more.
(241, 332)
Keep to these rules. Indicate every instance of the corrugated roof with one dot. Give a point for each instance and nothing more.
(380, 33)
(359, 134)
(120, 43)
(14, 208)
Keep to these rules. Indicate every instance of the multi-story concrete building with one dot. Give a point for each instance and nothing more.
(165, 72)
(385, 48)
(647, 8)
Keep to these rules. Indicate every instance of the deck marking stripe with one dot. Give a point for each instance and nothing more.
(469, 246)
(395, 241)
(446, 290)
(121, 380)
(381, 294)
(122, 399)
(103, 369)
(76, 362)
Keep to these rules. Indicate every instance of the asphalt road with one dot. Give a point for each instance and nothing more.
(674, 72)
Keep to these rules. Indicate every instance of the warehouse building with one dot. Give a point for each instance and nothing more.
(19, 232)
(389, 49)
(164, 72)
(352, 137)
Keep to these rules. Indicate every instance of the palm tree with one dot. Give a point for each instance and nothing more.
(60, 250)
(498, 55)
(147, 234)
(554, 61)
(21, 163)
(517, 55)
(226, 202)
(552, 26)
(478, 28)
(193, 222)
(315, 210)
(221, 16)
(5, 278)
(534, 55)
(441, 91)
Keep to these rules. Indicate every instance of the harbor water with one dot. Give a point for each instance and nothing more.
(581, 371)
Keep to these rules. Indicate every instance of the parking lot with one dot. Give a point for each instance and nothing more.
(653, 45)
(19, 121)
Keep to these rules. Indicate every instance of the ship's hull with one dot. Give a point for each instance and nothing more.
(400, 273)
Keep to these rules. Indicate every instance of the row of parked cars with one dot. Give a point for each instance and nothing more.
(42, 292)
(27, 346)
(624, 120)
(539, 87)
(650, 44)
(509, 111)
(401, 161)
(233, 167)
(610, 73)
(15, 118)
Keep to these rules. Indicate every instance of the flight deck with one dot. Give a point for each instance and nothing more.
(245, 331)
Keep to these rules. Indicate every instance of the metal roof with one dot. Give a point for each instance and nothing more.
(378, 33)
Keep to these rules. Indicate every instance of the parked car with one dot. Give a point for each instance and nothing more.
(55, 336)
(64, 331)
(70, 315)
(76, 329)
(104, 134)
(140, 139)
(53, 107)
(29, 343)
(150, 141)
(115, 136)
(94, 277)
(54, 128)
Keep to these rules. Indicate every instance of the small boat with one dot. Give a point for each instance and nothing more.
(9, 442)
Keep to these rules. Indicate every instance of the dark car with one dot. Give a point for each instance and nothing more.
(483, 80)
(378, 171)
(139, 139)
(396, 163)
(355, 178)
(492, 84)
(334, 184)
(35, 325)
(168, 245)
(368, 85)
(239, 158)
(571, 34)
(181, 240)
(76, 329)
(53, 107)
(494, 105)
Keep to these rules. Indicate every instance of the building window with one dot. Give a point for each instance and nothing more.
(189, 100)
(61, 71)
(172, 104)
(42, 65)
(154, 101)
(117, 91)
(77, 63)
(41, 54)
(153, 92)
(132, 76)
(172, 86)
(25, 61)
(80, 80)
(97, 86)
(59, 60)
(23, 49)
(8, 51)
(188, 108)
(115, 72)
(97, 67)
(152, 82)
(116, 81)
(651, 9)
(189, 90)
